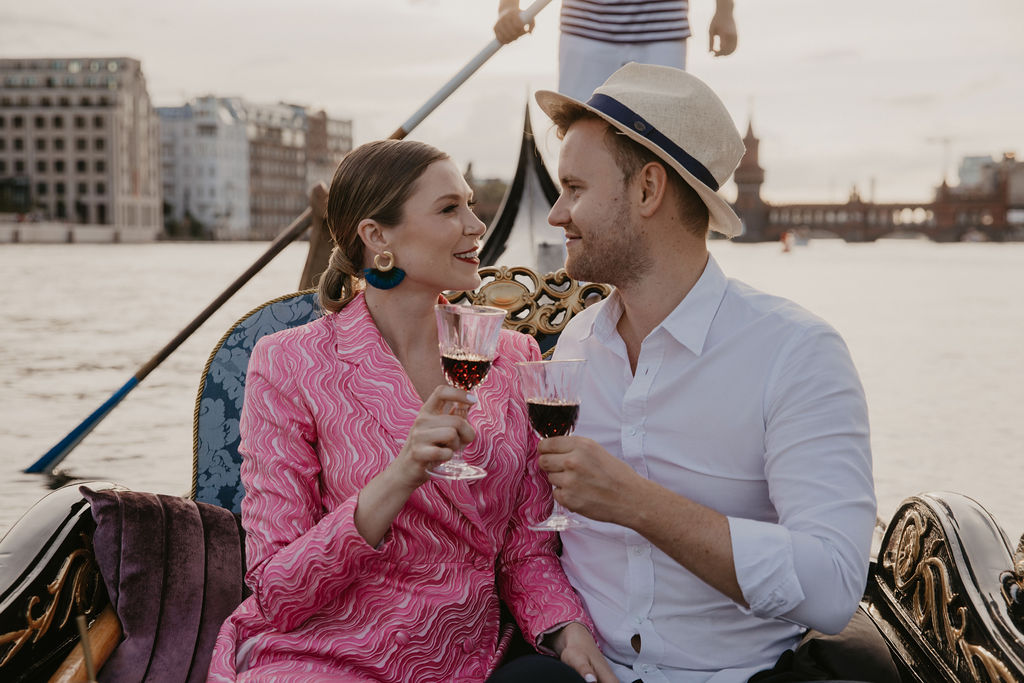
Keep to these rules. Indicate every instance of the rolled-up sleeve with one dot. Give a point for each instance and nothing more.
(811, 566)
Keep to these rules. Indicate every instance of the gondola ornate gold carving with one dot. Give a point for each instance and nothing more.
(1013, 585)
(536, 305)
(76, 589)
(918, 562)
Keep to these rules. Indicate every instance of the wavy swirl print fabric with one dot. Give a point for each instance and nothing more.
(327, 407)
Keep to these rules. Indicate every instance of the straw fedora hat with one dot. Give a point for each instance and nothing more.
(679, 118)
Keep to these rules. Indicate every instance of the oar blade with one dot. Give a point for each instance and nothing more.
(53, 457)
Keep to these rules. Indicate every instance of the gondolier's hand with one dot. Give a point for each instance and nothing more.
(509, 25)
(588, 479)
(722, 27)
(576, 647)
(434, 436)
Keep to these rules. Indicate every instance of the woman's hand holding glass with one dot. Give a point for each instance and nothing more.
(435, 436)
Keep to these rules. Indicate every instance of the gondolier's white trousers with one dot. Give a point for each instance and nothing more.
(584, 64)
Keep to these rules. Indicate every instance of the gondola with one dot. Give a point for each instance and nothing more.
(151, 577)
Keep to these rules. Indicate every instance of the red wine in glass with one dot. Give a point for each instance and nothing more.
(464, 370)
(552, 389)
(552, 417)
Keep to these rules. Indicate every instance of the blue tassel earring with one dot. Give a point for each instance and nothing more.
(384, 276)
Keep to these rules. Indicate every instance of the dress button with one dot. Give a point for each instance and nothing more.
(402, 637)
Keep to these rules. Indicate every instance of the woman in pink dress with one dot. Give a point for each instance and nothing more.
(362, 566)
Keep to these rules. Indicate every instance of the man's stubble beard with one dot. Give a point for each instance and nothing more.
(613, 253)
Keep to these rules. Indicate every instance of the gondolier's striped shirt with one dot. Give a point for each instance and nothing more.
(620, 21)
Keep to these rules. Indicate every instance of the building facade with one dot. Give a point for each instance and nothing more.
(204, 154)
(290, 150)
(79, 151)
(240, 170)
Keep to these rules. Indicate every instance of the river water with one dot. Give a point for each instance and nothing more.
(937, 332)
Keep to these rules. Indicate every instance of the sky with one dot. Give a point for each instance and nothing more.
(883, 95)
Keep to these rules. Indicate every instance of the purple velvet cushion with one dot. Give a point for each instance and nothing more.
(173, 569)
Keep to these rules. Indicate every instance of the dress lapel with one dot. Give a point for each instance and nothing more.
(376, 381)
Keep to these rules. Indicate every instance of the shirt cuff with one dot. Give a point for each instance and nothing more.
(763, 560)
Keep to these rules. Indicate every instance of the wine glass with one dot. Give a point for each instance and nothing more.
(552, 391)
(468, 339)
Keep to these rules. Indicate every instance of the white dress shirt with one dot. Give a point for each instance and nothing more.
(748, 404)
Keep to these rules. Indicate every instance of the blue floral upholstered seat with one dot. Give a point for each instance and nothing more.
(215, 456)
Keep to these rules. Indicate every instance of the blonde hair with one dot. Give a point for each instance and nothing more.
(373, 181)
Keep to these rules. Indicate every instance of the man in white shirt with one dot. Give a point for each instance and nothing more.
(722, 454)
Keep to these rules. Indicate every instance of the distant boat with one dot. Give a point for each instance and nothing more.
(520, 234)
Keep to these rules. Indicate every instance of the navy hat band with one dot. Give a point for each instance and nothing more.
(614, 109)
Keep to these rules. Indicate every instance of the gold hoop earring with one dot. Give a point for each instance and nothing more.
(390, 261)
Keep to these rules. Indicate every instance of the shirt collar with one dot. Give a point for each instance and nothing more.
(689, 322)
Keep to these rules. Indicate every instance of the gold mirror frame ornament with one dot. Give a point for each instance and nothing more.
(918, 557)
(537, 305)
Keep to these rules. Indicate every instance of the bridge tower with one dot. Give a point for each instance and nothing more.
(749, 177)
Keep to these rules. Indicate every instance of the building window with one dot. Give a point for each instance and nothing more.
(3, 144)
(64, 102)
(3, 166)
(58, 166)
(41, 166)
(81, 144)
(83, 189)
(58, 121)
(80, 166)
(19, 144)
(79, 122)
(62, 211)
(59, 188)
(101, 166)
(40, 122)
(41, 189)
(19, 166)
(101, 189)
(40, 144)
(58, 144)
(98, 144)
(97, 122)
(18, 121)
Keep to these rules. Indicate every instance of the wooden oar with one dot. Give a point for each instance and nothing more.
(55, 455)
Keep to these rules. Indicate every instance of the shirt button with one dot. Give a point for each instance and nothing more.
(638, 550)
(402, 637)
(632, 431)
(638, 620)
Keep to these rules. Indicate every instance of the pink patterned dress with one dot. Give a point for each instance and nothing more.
(327, 407)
